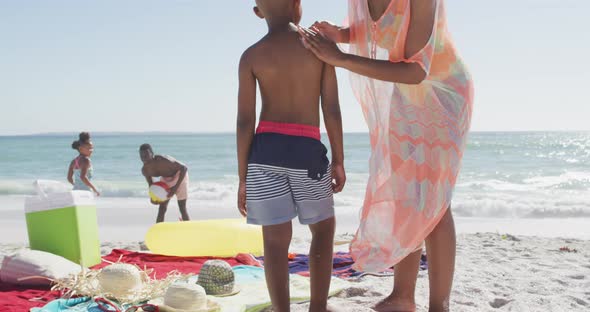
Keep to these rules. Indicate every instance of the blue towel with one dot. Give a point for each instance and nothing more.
(75, 304)
(82, 304)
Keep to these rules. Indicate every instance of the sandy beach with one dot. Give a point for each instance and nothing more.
(494, 272)
(502, 264)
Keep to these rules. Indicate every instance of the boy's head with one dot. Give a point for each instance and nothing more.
(271, 9)
(146, 153)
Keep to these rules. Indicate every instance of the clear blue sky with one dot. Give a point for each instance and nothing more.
(146, 65)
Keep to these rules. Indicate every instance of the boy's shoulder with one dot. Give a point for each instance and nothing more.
(251, 53)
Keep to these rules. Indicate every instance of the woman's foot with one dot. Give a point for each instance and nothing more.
(393, 304)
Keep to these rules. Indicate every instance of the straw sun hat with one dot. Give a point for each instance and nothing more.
(120, 280)
(125, 283)
(218, 279)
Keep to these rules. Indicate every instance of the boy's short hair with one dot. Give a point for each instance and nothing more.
(271, 7)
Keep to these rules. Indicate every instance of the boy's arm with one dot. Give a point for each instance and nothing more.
(245, 124)
(148, 178)
(333, 121)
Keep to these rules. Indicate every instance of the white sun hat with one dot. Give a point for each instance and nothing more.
(185, 297)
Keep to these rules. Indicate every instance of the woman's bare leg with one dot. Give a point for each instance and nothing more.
(441, 246)
(401, 298)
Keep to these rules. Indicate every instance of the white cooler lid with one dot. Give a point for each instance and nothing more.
(59, 200)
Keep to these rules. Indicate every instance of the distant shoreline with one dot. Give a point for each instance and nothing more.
(165, 133)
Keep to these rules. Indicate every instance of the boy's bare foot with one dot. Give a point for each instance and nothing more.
(391, 304)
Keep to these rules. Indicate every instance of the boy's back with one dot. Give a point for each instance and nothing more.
(289, 77)
(283, 166)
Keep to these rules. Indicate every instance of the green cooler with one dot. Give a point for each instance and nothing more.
(64, 224)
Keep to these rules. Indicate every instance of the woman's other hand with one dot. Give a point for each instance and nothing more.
(329, 30)
(324, 48)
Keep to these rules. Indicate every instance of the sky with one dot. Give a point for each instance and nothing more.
(171, 65)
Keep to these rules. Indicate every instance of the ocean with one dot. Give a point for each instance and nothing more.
(505, 175)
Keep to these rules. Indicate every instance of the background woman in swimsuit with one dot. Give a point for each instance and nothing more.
(80, 170)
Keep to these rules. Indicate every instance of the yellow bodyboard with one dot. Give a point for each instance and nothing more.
(214, 238)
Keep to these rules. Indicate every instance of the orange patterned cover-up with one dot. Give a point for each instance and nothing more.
(418, 134)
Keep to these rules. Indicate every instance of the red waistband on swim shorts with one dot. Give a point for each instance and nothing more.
(288, 129)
